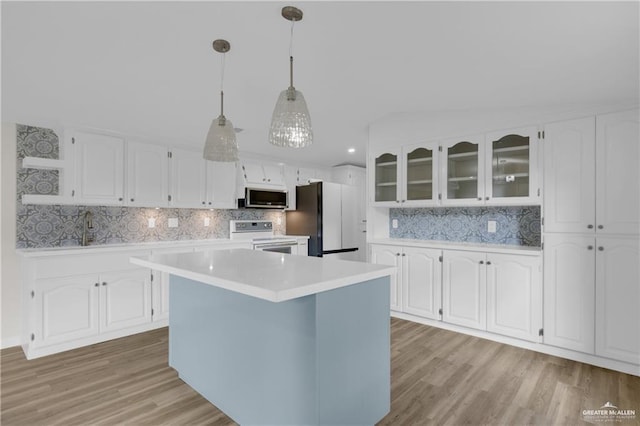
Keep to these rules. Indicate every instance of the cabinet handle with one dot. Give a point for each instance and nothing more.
(104, 283)
(589, 247)
(600, 227)
(482, 262)
(590, 226)
(601, 248)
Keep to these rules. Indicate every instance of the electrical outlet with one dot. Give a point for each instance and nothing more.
(173, 222)
(152, 222)
(394, 223)
(207, 221)
(492, 226)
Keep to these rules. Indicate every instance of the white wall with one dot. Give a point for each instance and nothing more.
(9, 272)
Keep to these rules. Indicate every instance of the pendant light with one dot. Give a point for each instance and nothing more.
(221, 142)
(291, 123)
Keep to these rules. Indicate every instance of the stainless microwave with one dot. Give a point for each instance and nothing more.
(266, 198)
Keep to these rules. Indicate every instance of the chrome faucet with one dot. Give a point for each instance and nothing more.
(87, 224)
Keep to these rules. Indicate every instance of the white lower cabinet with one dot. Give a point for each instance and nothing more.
(514, 295)
(464, 289)
(617, 298)
(125, 299)
(65, 309)
(421, 278)
(389, 255)
(592, 290)
(76, 307)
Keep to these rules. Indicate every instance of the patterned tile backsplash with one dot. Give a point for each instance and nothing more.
(61, 225)
(515, 225)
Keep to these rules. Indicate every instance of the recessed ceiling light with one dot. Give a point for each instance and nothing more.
(351, 150)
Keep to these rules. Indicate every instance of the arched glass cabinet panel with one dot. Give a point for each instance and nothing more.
(463, 171)
(419, 174)
(510, 166)
(386, 177)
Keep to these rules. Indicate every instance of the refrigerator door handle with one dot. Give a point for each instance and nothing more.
(345, 250)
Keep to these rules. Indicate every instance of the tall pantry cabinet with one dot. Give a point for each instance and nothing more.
(591, 225)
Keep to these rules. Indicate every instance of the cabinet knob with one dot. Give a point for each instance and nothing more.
(590, 226)
(601, 248)
(397, 254)
(268, 180)
(488, 262)
(600, 227)
(96, 285)
(589, 247)
(264, 179)
(479, 198)
(482, 262)
(104, 283)
(404, 254)
(209, 202)
(120, 199)
(486, 198)
(132, 199)
(203, 203)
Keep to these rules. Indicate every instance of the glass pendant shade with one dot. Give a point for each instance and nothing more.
(291, 122)
(221, 142)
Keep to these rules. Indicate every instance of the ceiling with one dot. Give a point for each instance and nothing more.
(148, 69)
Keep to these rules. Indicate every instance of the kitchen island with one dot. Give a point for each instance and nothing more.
(276, 339)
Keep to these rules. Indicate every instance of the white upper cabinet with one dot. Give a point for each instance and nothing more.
(386, 177)
(147, 175)
(419, 182)
(512, 166)
(406, 177)
(591, 176)
(262, 174)
(463, 171)
(188, 178)
(617, 173)
(221, 185)
(99, 165)
(569, 176)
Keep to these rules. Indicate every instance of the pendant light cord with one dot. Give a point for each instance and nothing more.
(293, 21)
(222, 58)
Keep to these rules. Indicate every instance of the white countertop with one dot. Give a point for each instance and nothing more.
(451, 245)
(270, 276)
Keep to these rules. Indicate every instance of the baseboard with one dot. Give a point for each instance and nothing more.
(9, 342)
(621, 366)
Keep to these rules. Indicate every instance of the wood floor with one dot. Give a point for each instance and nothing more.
(437, 377)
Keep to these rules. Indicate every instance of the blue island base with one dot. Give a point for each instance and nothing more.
(322, 359)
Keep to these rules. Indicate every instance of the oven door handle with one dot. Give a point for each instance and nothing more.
(280, 244)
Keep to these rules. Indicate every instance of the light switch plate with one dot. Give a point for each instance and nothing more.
(394, 223)
(492, 226)
(173, 222)
(207, 221)
(152, 222)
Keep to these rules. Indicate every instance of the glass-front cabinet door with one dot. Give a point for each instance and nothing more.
(420, 175)
(385, 177)
(463, 171)
(512, 166)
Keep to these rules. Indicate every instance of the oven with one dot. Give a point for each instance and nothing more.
(277, 245)
(260, 234)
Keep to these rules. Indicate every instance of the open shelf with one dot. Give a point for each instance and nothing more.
(503, 177)
(463, 155)
(420, 160)
(386, 184)
(463, 179)
(42, 163)
(387, 164)
(512, 149)
(419, 182)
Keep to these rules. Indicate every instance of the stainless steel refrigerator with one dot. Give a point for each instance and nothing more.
(327, 213)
